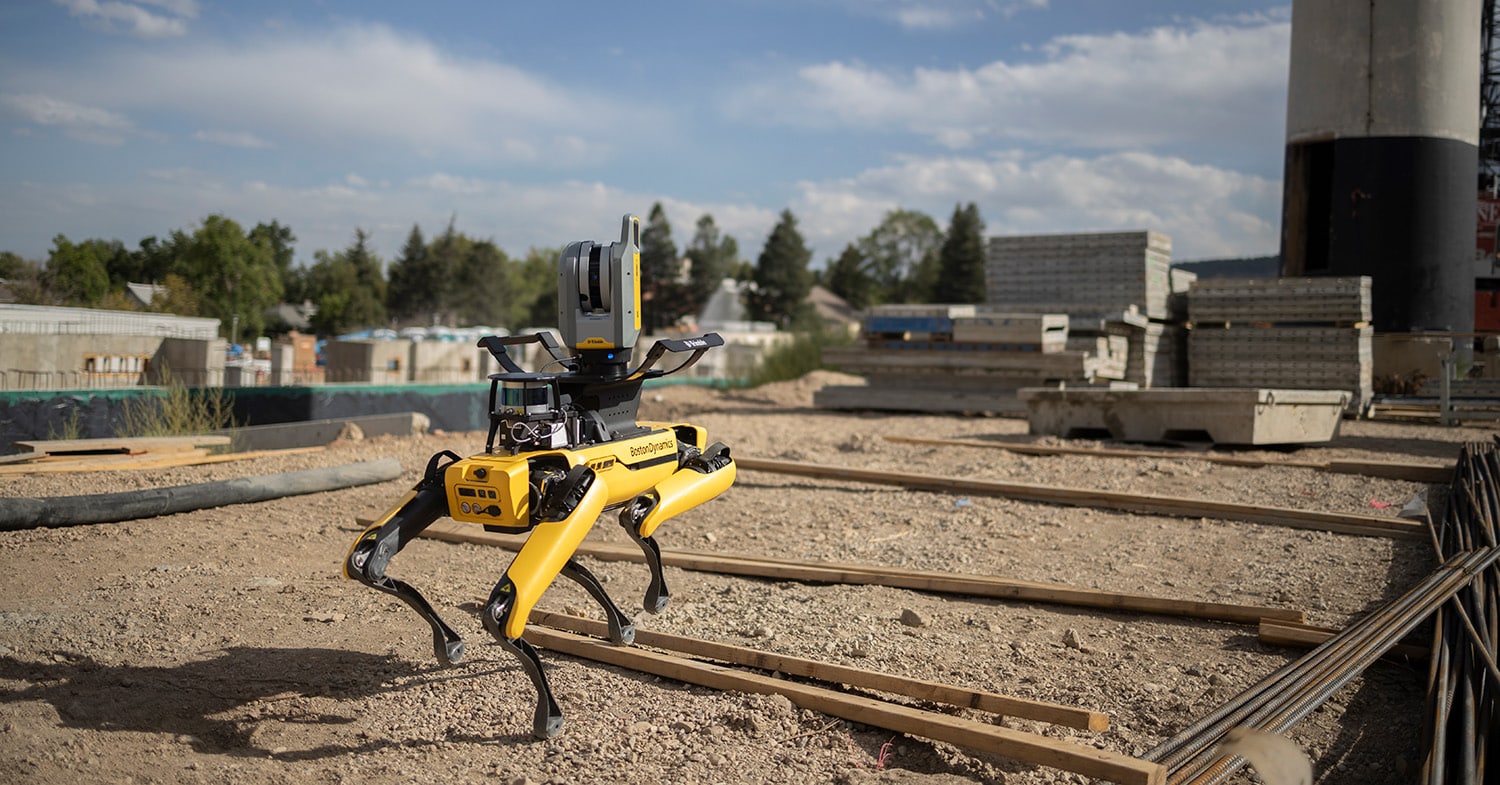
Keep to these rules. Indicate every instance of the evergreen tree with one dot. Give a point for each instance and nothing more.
(712, 256)
(849, 277)
(415, 292)
(961, 261)
(534, 301)
(78, 273)
(661, 269)
(782, 279)
(480, 276)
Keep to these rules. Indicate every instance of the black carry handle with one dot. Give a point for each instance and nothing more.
(697, 346)
(496, 345)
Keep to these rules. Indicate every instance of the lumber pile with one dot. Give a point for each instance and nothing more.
(975, 734)
(1288, 333)
(66, 456)
(75, 455)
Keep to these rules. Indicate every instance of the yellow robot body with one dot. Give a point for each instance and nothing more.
(563, 447)
(493, 490)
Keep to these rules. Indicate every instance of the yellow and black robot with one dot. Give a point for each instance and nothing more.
(563, 447)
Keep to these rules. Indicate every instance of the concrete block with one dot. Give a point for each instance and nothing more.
(1223, 416)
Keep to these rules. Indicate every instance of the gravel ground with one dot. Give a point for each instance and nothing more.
(224, 645)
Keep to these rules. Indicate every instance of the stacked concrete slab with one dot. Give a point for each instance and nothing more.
(954, 358)
(1289, 333)
(1111, 285)
(1081, 274)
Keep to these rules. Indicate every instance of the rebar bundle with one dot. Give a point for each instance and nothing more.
(1467, 544)
(1462, 676)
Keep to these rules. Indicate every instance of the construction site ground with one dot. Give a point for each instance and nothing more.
(223, 645)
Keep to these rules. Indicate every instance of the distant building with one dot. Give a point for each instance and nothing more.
(144, 294)
(51, 348)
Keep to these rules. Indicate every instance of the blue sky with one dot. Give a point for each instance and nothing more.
(535, 124)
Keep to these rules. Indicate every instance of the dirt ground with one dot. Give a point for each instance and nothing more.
(224, 645)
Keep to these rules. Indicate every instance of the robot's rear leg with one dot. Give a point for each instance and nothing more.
(373, 551)
(621, 628)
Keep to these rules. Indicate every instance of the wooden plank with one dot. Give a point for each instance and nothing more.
(121, 444)
(1274, 632)
(869, 575)
(1343, 523)
(106, 462)
(936, 692)
(1394, 470)
(1390, 470)
(173, 459)
(967, 733)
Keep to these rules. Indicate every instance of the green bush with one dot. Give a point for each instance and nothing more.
(797, 357)
(178, 411)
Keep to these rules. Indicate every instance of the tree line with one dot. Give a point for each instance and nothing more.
(239, 276)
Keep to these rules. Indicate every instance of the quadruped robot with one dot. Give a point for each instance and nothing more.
(563, 447)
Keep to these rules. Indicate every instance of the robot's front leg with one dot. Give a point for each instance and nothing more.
(565, 515)
(372, 552)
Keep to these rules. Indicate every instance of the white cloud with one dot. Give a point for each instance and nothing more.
(243, 139)
(939, 15)
(134, 18)
(927, 18)
(1208, 211)
(1196, 83)
(364, 85)
(85, 123)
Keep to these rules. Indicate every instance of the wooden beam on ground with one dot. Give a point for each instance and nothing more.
(1274, 632)
(967, 733)
(936, 692)
(919, 580)
(1343, 523)
(1390, 470)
